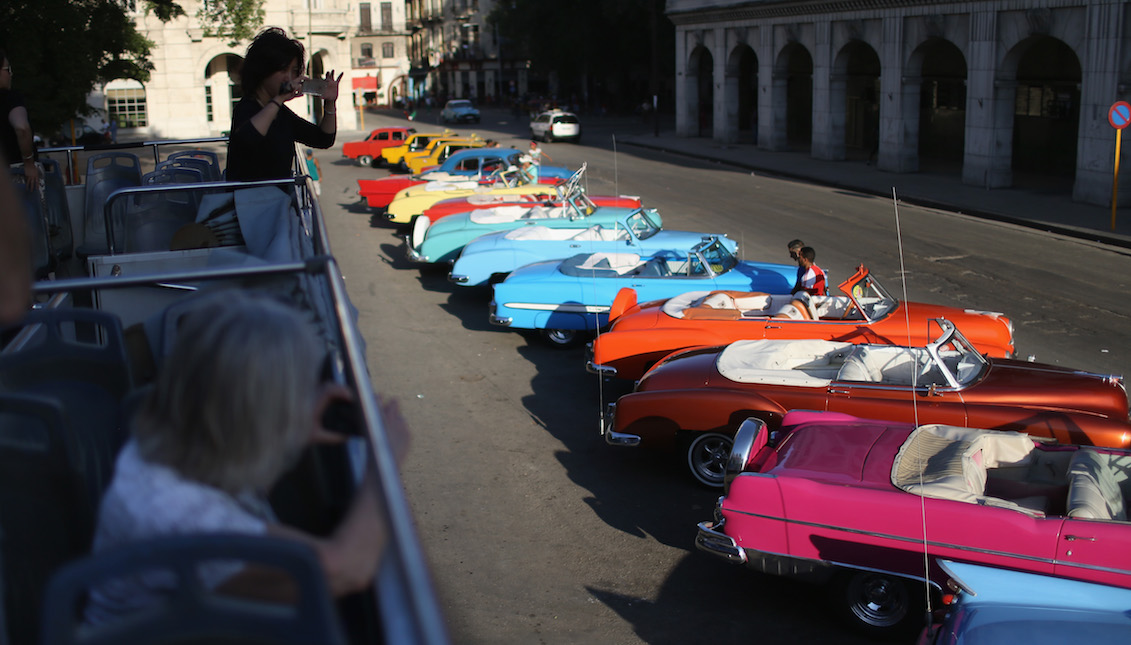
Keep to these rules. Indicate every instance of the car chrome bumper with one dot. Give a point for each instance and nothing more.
(612, 437)
(712, 540)
(603, 370)
(496, 320)
(458, 279)
(413, 255)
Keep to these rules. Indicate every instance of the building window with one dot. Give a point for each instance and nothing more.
(386, 16)
(367, 50)
(125, 103)
(366, 17)
(208, 102)
(387, 50)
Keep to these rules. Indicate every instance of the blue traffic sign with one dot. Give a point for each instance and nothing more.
(1120, 115)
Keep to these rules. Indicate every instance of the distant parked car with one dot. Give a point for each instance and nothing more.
(365, 152)
(992, 605)
(459, 111)
(84, 135)
(556, 125)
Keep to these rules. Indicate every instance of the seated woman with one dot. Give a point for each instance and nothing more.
(239, 398)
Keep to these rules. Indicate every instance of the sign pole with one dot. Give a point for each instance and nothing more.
(1115, 179)
(1119, 116)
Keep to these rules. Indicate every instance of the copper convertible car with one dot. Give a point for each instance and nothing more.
(697, 398)
(642, 334)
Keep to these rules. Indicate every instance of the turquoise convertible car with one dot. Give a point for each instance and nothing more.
(566, 298)
(494, 255)
(443, 241)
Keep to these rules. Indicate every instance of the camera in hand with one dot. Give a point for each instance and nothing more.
(343, 417)
(314, 86)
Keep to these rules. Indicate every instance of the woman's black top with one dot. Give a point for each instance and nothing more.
(253, 156)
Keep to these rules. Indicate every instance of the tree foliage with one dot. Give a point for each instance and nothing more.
(236, 20)
(613, 52)
(61, 49)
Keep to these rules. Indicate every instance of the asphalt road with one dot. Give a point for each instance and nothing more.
(537, 532)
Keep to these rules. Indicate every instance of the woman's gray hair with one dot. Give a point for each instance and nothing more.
(234, 403)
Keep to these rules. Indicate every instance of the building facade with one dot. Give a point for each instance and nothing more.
(195, 81)
(456, 53)
(1001, 91)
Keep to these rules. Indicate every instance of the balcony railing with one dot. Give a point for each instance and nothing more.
(320, 21)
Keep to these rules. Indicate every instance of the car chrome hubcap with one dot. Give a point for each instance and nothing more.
(560, 336)
(708, 458)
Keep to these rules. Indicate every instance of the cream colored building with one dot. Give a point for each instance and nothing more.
(195, 81)
(996, 91)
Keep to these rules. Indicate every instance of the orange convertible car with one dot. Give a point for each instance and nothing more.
(641, 334)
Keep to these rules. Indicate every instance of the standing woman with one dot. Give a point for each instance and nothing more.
(264, 131)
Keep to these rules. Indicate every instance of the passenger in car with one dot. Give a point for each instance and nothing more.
(238, 399)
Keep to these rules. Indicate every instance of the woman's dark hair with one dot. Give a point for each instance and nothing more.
(271, 51)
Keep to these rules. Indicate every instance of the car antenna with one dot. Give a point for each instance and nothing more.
(914, 405)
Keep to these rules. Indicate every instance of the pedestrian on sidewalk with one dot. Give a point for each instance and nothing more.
(315, 171)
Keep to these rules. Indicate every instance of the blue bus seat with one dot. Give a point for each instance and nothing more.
(106, 172)
(192, 613)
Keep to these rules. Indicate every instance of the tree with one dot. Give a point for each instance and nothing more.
(61, 50)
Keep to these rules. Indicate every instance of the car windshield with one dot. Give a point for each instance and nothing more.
(641, 225)
(459, 105)
(872, 299)
(567, 118)
(713, 255)
(950, 361)
(956, 358)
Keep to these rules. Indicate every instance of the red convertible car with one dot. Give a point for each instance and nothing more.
(870, 507)
(642, 334)
(695, 399)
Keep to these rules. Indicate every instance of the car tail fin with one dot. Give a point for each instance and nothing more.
(625, 300)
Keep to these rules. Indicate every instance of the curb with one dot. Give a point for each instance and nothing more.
(1088, 235)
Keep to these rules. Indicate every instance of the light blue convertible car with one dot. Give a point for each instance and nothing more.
(564, 298)
(443, 241)
(492, 256)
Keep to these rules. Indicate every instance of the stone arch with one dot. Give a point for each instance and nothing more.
(316, 68)
(700, 90)
(222, 90)
(742, 93)
(938, 68)
(1039, 94)
(854, 90)
(792, 98)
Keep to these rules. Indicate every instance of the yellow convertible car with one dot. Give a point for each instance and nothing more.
(394, 155)
(439, 150)
(412, 201)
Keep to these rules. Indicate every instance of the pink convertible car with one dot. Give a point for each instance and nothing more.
(872, 506)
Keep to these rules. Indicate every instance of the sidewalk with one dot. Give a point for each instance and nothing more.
(1048, 211)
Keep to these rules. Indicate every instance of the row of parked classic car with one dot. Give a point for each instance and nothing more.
(859, 440)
